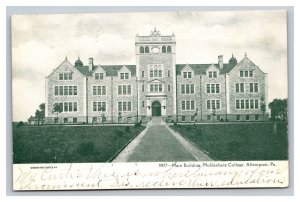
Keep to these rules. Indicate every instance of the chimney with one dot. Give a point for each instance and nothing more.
(91, 64)
(220, 61)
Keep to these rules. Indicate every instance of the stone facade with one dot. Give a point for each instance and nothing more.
(156, 86)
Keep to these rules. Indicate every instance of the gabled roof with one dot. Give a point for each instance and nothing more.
(201, 68)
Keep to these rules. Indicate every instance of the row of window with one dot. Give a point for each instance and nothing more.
(187, 88)
(124, 89)
(65, 90)
(65, 76)
(164, 49)
(246, 73)
(247, 104)
(156, 73)
(212, 88)
(240, 87)
(99, 76)
(124, 106)
(99, 106)
(213, 104)
(212, 74)
(99, 90)
(187, 105)
(187, 75)
(68, 106)
(156, 88)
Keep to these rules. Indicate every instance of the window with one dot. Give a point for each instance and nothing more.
(75, 90)
(61, 90)
(143, 88)
(124, 106)
(246, 104)
(160, 73)
(212, 74)
(155, 88)
(253, 87)
(169, 73)
(151, 73)
(99, 106)
(241, 74)
(74, 120)
(124, 89)
(56, 90)
(142, 50)
(188, 105)
(69, 106)
(187, 88)
(169, 49)
(71, 90)
(155, 70)
(238, 117)
(99, 76)
(61, 76)
(213, 104)
(248, 73)
(143, 103)
(169, 88)
(187, 75)
(251, 73)
(247, 117)
(143, 74)
(256, 117)
(146, 49)
(183, 118)
(126, 75)
(66, 90)
(212, 88)
(94, 119)
(239, 88)
(65, 120)
(164, 50)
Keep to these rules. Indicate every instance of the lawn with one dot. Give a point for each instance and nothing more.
(255, 141)
(66, 144)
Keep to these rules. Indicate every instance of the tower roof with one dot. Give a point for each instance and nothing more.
(78, 63)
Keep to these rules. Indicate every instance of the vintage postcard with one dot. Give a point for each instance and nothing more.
(150, 100)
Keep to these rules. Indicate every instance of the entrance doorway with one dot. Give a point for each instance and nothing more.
(156, 108)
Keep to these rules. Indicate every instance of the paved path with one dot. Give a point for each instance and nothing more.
(160, 143)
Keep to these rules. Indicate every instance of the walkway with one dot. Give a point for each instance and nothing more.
(160, 143)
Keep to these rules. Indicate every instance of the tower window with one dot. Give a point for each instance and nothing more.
(164, 50)
(142, 50)
(147, 49)
(169, 49)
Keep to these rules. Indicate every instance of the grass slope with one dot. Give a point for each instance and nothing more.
(65, 144)
(255, 141)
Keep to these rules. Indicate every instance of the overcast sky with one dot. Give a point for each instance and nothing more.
(41, 42)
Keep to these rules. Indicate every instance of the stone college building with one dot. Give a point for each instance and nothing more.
(156, 86)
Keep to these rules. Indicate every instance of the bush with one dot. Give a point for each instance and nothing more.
(127, 129)
(86, 148)
(21, 123)
(139, 124)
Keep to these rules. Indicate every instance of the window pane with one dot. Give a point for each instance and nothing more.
(218, 104)
(94, 90)
(210, 74)
(103, 106)
(192, 88)
(151, 73)
(213, 104)
(183, 105)
(66, 90)
(251, 87)
(184, 74)
(65, 106)
(250, 73)
(124, 90)
(143, 74)
(75, 106)
(70, 90)
(207, 88)
(241, 74)
(126, 75)
(237, 104)
(129, 106)
(151, 88)
(242, 104)
(124, 106)
(155, 73)
(189, 74)
(187, 89)
(61, 77)
(61, 90)
(242, 87)
(56, 90)
(247, 104)
(168, 73)
(256, 104)
(208, 104)
(155, 88)
(256, 87)
(129, 89)
(119, 106)
(160, 87)
(70, 76)
(188, 105)
(70, 106)
(120, 90)
(237, 88)
(101, 76)
(160, 73)
(192, 105)
(217, 88)
(246, 73)
(182, 89)
(66, 76)
(103, 90)
(75, 90)
(99, 106)
(215, 74)
(97, 76)
(251, 104)
(94, 106)
(212, 88)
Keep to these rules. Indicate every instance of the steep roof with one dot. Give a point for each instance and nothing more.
(201, 68)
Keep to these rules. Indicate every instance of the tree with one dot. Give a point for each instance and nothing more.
(40, 114)
(57, 108)
(263, 107)
(278, 109)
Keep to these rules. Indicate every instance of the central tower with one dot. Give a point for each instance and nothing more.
(156, 74)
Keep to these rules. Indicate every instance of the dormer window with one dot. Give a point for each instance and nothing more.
(212, 74)
(124, 75)
(187, 75)
(99, 76)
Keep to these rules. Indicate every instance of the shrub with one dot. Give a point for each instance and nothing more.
(127, 129)
(21, 123)
(139, 124)
(86, 148)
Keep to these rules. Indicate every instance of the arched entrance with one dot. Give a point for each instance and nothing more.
(156, 108)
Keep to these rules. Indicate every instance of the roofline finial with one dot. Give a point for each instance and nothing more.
(66, 58)
(245, 54)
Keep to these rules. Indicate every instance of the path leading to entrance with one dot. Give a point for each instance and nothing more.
(160, 143)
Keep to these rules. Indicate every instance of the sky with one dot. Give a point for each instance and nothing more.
(41, 42)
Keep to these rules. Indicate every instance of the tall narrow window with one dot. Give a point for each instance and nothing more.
(119, 106)
(143, 88)
(101, 76)
(169, 88)
(241, 74)
(75, 90)
(56, 90)
(183, 105)
(94, 90)
(61, 90)
(142, 50)
(237, 104)
(66, 90)
(169, 73)
(256, 87)
(146, 49)
(71, 90)
(143, 74)
(207, 88)
(169, 49)
(164, 50)
(61, 76)
(192, 88)
(119, 90)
